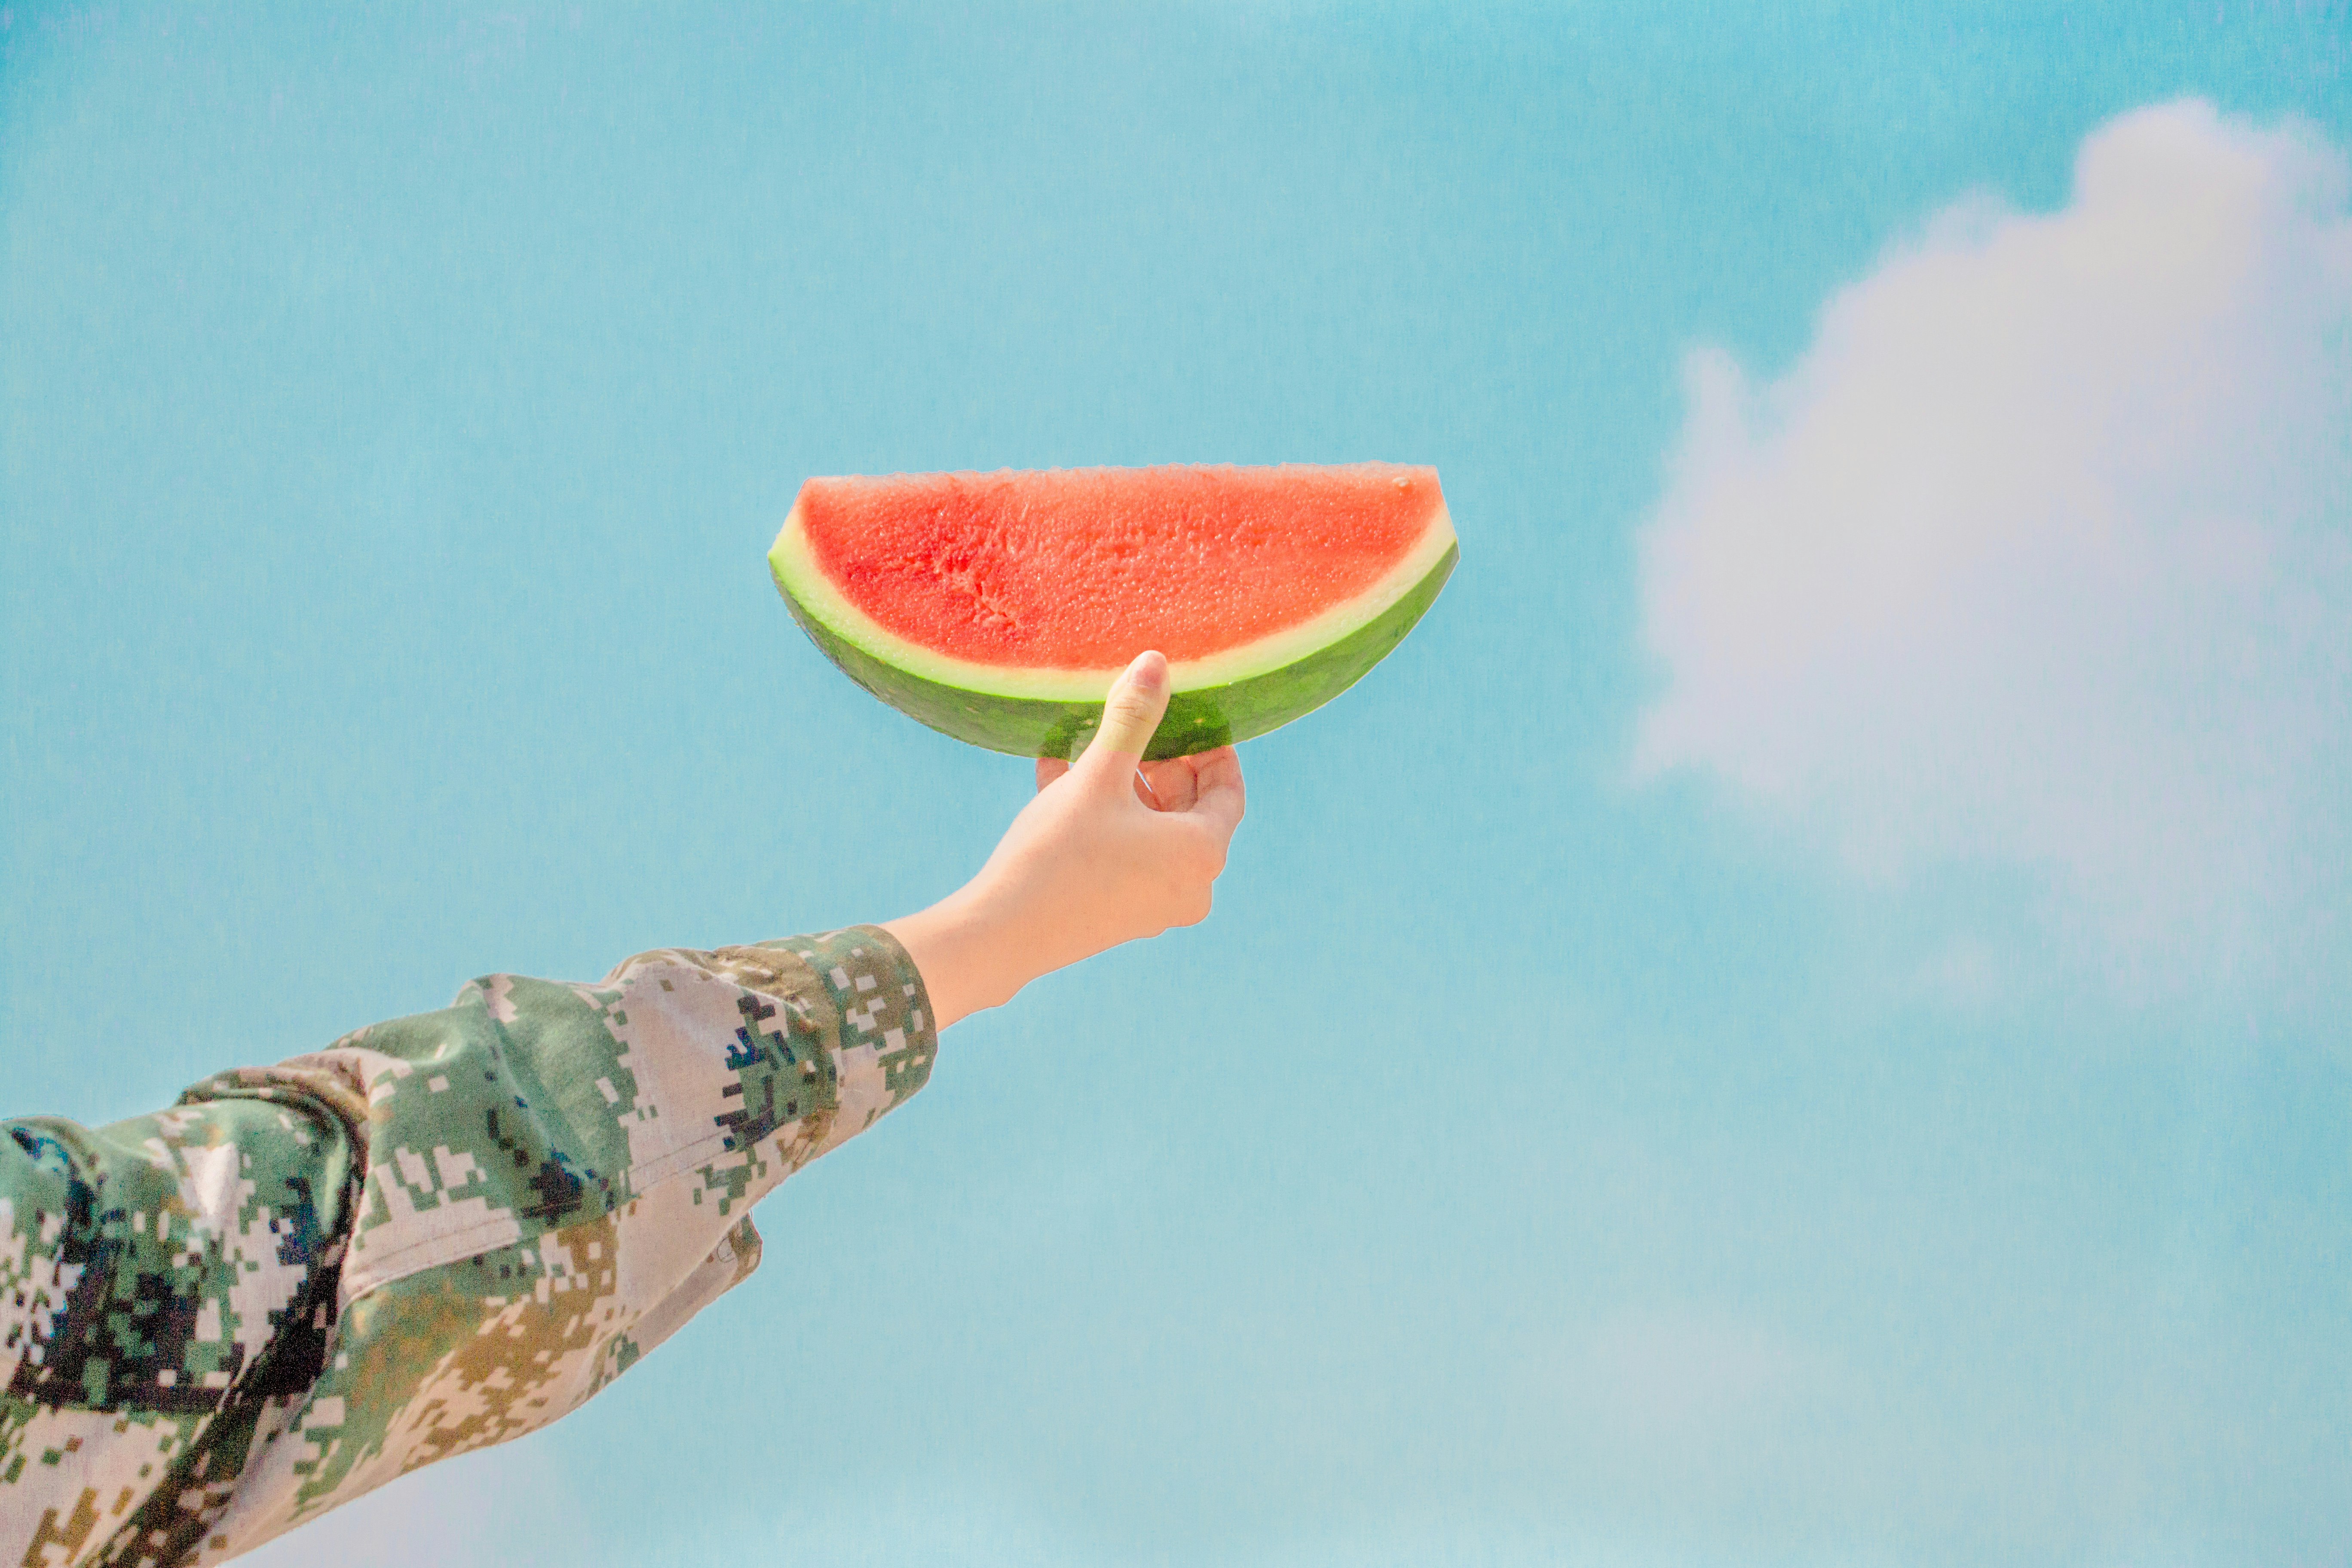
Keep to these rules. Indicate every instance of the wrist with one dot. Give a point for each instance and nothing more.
(968, 952)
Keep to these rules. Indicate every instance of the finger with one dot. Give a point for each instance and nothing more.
(1220, 796)
(1138, 699)
(1145, 793)
(1173, 784)
(1049, 769)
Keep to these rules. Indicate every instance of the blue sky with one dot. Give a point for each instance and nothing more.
(1799, 1020)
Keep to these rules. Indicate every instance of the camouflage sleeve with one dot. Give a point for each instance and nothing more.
(437, 1234)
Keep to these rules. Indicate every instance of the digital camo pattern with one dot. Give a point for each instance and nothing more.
(437, 1234)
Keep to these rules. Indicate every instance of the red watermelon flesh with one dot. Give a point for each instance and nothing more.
(1080, 569)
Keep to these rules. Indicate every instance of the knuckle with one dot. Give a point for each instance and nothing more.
(1205, 857)
(1187, 894)
(1130, 705)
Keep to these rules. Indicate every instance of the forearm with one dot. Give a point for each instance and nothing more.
(977, 948)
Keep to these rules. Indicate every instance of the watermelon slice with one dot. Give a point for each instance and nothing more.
(999, 607)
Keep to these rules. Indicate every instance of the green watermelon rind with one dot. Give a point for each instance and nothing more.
(1198, 720)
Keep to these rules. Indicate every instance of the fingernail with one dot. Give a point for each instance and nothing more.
(1149, 670)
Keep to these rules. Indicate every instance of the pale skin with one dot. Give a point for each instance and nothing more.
(1111, 850)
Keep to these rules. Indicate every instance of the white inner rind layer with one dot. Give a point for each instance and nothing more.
(795, 563)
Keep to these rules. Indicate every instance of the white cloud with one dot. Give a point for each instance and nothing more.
(2041, 552)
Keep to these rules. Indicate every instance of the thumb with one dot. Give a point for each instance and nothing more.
(1138, 699)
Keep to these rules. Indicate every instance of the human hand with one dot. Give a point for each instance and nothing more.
(1111, 849)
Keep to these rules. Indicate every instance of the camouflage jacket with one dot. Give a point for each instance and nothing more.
(437, 1234)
